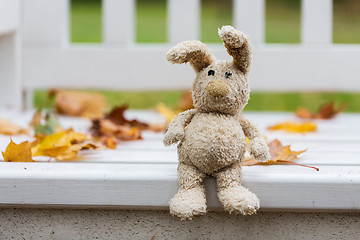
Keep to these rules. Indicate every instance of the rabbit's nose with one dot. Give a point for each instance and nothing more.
(217, 88)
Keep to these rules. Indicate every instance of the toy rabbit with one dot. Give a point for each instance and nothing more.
(212, 137)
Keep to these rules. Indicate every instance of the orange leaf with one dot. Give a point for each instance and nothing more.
(78, 103)
(279, 155)
(185, 102)
(19, 152)
(294, 127)
(326, 111)
(9, 128)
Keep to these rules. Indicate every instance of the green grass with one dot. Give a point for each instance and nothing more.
(259, 101)
(282, 21)
(346, 21)
(214, 14)
(85, 18)
(151, 21)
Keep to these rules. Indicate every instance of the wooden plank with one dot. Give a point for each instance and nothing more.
(316, 20)
(10, 49)
(183, 20)
(118, 18)
(275, 68)
(118, 185)
(45, 23)
(9, 16)
(249, 17)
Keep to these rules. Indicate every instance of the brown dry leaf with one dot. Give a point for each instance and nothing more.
(62, 145)
(117, 116)
(185, 102)
(294, 127)
(279, 155)
(19, 152)
(9, 128)
(326, 111)
(79, 104)
(158, 127)
(105, 127)
(36, 119)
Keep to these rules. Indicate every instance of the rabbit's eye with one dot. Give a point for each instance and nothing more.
(228, 74)
(211, 73)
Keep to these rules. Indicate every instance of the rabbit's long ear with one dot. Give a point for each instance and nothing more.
(237, 46)
(195, 52)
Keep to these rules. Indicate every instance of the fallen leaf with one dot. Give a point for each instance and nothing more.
(9, 128)
(50, 126)
(326, 111)
(117, 116)
(168, 113)
(19, 152)
(79, 103)
(279, 155)
(185, 102)
(62, 145)
(294, 127)
(36, 119)
(158, 127)
(110, 142)
(108, 128)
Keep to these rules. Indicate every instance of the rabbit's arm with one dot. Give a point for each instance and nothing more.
(258, 146)
(176, 130)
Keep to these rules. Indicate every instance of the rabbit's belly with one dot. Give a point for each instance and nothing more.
(212, 142)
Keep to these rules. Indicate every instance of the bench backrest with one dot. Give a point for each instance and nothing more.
(48, 58)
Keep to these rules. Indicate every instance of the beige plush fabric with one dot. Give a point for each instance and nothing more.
(212, 137)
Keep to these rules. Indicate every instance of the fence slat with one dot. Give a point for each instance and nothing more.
(316, 19)
(183, 20)
(249, 17)
(10, 88)
(118, 21)
(8, 16)
(46, 22)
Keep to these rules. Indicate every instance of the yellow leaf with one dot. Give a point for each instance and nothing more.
(18, 152)
(294, 127)
(9, 128)
(168, 113)
(61, 146)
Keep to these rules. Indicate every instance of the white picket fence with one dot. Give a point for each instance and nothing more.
(35, 50)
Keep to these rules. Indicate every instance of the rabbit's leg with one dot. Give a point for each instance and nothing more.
(190, 200)
(232, 194)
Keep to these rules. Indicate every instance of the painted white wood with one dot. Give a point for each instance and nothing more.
(316, 20)
(275, 68)
(183, 20)
(46, 23)
(249, 17)
(139, 185)
(10, 53)
(9, 16)
(142, 174)
(118, 22)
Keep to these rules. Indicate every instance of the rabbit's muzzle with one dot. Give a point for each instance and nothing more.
(217, 88)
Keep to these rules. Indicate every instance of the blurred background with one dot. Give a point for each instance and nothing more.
(282, 26)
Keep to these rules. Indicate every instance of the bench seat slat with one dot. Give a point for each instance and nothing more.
(142, 174)
(139, 185)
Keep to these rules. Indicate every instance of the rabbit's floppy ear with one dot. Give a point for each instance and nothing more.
(195, 52)
(237, 46)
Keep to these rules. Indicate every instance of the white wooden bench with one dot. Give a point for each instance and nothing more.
(35, 53)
